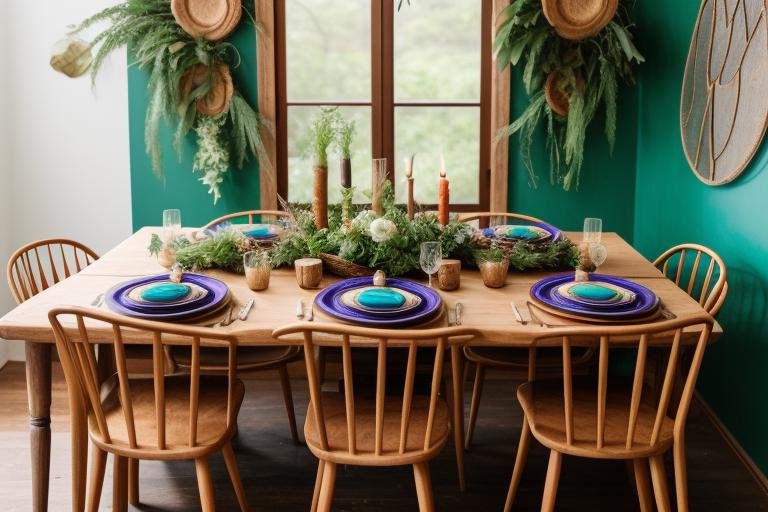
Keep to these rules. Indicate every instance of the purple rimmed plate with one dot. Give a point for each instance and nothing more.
(218, 294)
(329, 302)
(198, 295)
(555, 234)
(645, 303)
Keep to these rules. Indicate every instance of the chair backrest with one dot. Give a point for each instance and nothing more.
(496, 217)
(669, 336)
(430, 344)
(685, 264)
(38, 265)
(250, 215)
(76, 350)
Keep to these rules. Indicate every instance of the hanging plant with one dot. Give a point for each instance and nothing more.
(189, 83)
(567, 80)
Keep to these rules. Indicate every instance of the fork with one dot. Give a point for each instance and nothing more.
(98, 301)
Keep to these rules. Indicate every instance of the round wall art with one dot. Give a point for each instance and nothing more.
(724, 105)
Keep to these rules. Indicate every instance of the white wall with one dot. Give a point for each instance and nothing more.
(66, 164)
(5, 188)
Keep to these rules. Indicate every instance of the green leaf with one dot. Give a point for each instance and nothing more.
(626, 43)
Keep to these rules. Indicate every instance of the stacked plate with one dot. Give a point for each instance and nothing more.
(261, 232)
(158, 298)
(602, 298)
(398, 304)
(534, 232)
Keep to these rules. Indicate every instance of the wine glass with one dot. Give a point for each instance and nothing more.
(593, 230)
(171, 224)
(597, 253)
(430, 258)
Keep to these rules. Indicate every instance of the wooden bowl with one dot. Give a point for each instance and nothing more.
(579, 19)
(218, 98)
(211, 19)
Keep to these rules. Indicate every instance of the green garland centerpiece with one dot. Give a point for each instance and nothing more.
(189, 82)
(566, 80)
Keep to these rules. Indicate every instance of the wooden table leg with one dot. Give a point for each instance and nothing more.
(38, 366)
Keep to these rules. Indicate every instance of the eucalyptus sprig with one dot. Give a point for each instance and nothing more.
(345, 133)
(324, 133)
(588, 73)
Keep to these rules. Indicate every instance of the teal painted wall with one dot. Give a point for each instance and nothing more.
(607, 188)
(179, 187)
(673, 206)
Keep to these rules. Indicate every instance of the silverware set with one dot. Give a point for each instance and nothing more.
(455, 314)
(304, 314)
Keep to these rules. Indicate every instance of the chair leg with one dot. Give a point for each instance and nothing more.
(477, 392)
(643, 484)
(553, 478)
(322, 356)
(326, 489)
(458, 412)
(120, 484)
(681, 474)
(133, 481)
(424, 487)
(318, 485)
(285, 383)
(205, 484)
(96, 481)
(520, 460)
(234, 476)
(659, 478)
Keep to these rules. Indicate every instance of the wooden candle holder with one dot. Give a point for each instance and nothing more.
(494, 273)
(309, 272)
(449, 275)
(320, 197)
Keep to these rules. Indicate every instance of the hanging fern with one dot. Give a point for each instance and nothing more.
(588, 71)
(167, 53)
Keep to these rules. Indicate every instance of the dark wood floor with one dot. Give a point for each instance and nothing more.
(279, 476)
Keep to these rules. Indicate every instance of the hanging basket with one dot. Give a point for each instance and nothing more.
(210, 19)
(71, 57)
(579, 19)
(558, 100)
(343, 268)
(218, 98)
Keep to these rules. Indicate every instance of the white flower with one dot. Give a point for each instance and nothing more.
(363, 220)
(382, 230)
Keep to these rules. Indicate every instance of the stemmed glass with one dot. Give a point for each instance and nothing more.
(430, 258)
(593, 235)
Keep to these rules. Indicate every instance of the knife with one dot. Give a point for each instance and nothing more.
(243, 314)
(300, 309)
(459, 311)
(518, 316)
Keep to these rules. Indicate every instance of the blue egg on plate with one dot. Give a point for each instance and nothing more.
(593, 292)
(165, 292)
(385, 298)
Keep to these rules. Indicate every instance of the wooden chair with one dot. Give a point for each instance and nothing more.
(394, 429)
(504, 358)
(249, 359)
(613, 418)
(38, 265)
(162, 417)
(699, 283)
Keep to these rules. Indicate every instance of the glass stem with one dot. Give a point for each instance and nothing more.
(429, 276)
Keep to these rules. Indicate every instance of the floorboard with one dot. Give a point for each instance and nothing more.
(279, 476)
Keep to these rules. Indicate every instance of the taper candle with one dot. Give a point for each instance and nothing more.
(320, 197)
(443, 194)
(409, 176)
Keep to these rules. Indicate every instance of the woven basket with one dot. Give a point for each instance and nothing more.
(211, 19)
(579, 19)
(343, 268)
(218, 98)
(558, 101)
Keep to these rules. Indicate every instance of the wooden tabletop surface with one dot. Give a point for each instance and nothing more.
(485, 309)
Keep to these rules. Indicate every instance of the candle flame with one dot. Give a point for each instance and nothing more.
(442, 165)
(409, 165)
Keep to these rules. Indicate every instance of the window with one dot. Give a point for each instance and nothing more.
(416, 80)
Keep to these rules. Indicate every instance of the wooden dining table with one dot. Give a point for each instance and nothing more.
(487, 311)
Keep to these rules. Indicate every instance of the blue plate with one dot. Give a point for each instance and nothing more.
(645, 303)
(329, 301)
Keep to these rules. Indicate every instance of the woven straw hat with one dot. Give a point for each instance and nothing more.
(218, 98)
(211, 19)
(579, 19)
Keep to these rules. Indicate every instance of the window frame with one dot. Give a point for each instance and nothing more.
(273, 104)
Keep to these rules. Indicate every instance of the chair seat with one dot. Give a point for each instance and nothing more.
(212, 428)
(542, 402)
(502, 357)
(365, 411)
(248, 358)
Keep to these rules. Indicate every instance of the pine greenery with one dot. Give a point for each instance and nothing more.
(589, 73)
(160, 46)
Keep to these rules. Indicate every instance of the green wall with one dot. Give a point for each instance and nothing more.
(607, 188)
(179, 188)
(673, 206)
